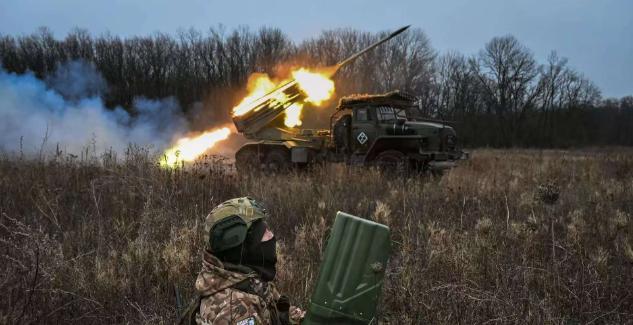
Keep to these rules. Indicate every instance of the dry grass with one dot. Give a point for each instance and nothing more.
(514, 236)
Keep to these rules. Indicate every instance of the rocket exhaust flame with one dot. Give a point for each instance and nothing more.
(315, 88)
(190, 148)
(287, 97)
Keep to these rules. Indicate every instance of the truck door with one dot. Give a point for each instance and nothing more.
(363, 129)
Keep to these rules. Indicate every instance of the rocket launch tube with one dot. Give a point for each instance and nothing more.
(242, 122)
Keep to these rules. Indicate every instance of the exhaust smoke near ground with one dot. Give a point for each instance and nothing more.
(65, 113)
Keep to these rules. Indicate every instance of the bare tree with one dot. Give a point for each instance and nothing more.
(271, 46)
(506, 69)
(501, 96)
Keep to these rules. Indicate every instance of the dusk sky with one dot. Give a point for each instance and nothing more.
(596, 35)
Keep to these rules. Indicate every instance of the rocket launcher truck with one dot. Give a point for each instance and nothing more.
(370, 130)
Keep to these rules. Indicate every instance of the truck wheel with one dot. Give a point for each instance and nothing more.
(392, 161)
(435, 172)
(247, 160)
(277, 160)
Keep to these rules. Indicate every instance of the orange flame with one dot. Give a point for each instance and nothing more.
(317, 86)
(258, 85)
(190, 148)
(293, 115)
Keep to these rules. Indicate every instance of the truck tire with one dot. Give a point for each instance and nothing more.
(392, 161)
(277, 160)
(247, 160)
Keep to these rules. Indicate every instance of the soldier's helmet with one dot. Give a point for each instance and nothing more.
(227, 225)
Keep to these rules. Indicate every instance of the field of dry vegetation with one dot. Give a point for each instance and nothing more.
(514, 236)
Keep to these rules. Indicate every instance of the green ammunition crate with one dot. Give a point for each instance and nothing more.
(351, 276)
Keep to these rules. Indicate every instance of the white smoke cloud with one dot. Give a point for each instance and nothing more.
(75, 80)
(66, 112)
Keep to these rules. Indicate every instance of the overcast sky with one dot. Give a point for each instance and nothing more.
(596, 35)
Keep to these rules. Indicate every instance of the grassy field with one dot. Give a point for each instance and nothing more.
(515, 236)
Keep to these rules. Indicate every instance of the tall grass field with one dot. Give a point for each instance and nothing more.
(509, 236)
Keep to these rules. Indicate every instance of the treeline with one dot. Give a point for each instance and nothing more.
(499, 97)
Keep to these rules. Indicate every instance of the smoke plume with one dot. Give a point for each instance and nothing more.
(66, 112)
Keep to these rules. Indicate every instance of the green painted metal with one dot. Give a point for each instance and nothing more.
(351, 275)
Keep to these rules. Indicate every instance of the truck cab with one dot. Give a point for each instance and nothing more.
(377, 129)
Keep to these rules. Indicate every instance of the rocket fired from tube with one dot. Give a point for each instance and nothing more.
(356, 55)
(292, 93)
(334, 69)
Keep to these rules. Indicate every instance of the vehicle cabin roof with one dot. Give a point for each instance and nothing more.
(394, 99)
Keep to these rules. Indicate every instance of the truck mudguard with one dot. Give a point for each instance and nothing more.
(351, 275)
(402, 143)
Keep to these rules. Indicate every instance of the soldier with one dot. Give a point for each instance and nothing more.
(234, 285)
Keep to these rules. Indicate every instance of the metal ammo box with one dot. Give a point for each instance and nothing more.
(351, 275)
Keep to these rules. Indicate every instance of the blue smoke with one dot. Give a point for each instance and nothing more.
(66, 112)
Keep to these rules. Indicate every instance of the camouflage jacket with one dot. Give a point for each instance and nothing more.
(232, 297)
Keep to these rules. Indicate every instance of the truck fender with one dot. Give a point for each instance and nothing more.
(405, 144)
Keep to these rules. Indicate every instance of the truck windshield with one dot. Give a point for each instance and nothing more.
(390, 114)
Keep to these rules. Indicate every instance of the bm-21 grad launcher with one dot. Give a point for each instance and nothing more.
(267, 108)
(370, 130)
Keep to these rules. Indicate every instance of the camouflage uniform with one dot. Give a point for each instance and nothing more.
(229, 297)
(235, 294)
